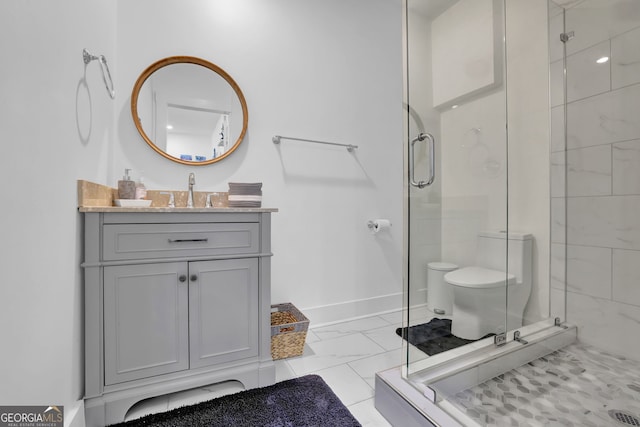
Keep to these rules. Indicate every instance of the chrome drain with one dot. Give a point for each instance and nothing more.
(624, 417)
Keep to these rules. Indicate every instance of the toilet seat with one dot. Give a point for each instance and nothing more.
(479, 278)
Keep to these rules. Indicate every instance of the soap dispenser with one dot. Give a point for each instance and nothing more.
(126, 187)
(141, 190)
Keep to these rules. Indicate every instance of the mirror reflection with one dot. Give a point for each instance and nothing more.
(189, 110)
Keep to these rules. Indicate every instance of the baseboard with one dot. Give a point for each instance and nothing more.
(74, 414)
(419, 297)
(351, 310)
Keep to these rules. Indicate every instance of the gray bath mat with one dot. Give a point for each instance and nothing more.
(305, 401)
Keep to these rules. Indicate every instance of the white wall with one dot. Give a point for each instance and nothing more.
(318, 69)
(474, 168)
(326, 70)
(57, 127)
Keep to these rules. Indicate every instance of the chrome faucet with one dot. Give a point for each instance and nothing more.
(192, 182)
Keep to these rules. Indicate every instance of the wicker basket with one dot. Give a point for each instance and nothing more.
(288, 331)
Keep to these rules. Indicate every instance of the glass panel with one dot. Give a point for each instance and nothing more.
(558, 148)
(602, 57)
(455, 98)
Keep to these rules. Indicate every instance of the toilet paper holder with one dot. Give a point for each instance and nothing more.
(376, 225)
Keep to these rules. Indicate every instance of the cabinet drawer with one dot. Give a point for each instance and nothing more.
(143, 241)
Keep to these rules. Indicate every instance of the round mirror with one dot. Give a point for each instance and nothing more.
(189, 110)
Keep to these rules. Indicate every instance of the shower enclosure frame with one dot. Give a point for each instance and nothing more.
(484, 136)
(594, 255)
(417, 381)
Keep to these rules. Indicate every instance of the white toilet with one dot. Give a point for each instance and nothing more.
(479, 295)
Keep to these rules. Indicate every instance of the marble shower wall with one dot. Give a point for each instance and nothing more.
(595, 174)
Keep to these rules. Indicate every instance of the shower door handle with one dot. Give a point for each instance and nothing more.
(432, 160)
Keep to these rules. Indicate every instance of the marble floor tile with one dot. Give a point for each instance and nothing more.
(419, 315)
(385, 337)
(283, 371)
(346, 384)
(366, 413)
(368, 366)
(350, 327)
(332, 352)
(311, 336)
(394, 318)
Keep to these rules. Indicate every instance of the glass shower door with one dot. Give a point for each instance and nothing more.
(595, 70)
(456, 177)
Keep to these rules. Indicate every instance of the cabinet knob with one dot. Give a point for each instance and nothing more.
(182, 278)
(194, 277)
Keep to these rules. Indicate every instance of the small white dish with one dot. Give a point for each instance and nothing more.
(132, 203)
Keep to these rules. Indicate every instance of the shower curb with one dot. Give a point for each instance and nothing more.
(399, 400)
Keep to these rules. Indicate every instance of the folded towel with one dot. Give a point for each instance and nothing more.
(245, 194)
(245, 204)
(255, 186)
(244, 198)
(245, 184)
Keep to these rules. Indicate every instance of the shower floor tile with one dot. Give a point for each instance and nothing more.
(578, 385)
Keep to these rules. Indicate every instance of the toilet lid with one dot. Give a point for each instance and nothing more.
(478, 277)
(442, 266)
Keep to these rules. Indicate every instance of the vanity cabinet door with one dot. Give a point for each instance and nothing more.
(223, 311)
(145, 320)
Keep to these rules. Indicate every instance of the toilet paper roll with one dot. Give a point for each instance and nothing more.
(378, 225)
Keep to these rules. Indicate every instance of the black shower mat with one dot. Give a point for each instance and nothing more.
(433, 337)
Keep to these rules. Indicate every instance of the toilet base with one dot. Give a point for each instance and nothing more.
(472, 327)
(482, 313)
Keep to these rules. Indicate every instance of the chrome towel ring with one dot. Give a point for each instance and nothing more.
(87, 57)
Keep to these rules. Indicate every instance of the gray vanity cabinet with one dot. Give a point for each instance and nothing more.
(223, 307)
(173, 301)
(162, 318)
(146, 321)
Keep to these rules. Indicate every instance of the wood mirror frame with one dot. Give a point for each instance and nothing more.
(187, 60)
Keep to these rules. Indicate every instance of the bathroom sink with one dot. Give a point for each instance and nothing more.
(132, 203)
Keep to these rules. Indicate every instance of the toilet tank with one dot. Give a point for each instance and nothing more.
(492, 249)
